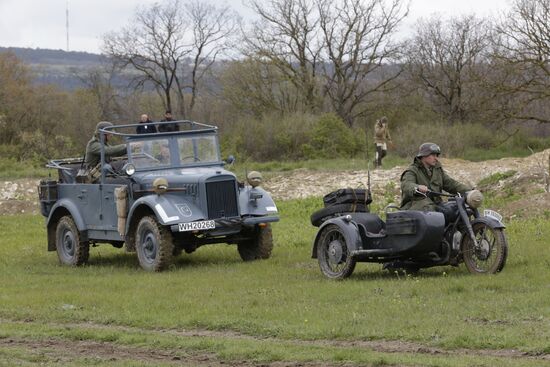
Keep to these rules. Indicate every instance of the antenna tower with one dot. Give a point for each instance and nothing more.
(67, 24)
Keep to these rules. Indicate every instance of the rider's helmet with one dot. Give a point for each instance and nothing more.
(428, 148)
(102, 125)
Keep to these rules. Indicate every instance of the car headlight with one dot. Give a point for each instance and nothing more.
(254, 178)
(160, 185)
(129, 169)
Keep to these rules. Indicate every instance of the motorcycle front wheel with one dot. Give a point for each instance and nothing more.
(489, 255)
(333, 253)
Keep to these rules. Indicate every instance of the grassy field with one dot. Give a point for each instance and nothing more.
(212, 304)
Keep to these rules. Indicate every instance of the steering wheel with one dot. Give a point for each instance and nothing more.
(195, 159)
(147, 155)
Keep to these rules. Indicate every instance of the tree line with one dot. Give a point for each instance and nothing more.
(299, 70)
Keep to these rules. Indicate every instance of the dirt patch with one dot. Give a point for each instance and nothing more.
(62, 351)
(68, 350)
(20, 196)
(304, 183)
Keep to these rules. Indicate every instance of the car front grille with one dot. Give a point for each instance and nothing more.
(222, 199)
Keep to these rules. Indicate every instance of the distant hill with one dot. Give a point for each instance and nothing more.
(57, 66)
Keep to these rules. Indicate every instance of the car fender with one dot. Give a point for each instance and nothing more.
(71, 208)
(255, 201)
(55, 213)
(349, 229)
(168, 208)
(489, 221)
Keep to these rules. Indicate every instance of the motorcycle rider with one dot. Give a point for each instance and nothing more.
(426, 173)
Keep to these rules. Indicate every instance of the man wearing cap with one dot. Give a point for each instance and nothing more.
(93, 149)
(168, 127)
(426, 174)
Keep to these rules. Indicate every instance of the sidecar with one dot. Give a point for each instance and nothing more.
(409, 236)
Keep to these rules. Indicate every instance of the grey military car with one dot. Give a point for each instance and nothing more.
(169, 194)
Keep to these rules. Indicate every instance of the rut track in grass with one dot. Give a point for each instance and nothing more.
(382, 346)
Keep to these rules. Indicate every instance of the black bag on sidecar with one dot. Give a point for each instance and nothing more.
(348, 196)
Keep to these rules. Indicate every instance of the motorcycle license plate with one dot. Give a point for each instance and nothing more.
(197, 226)
(492, 214)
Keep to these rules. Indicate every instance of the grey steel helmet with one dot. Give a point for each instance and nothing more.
(102, 125)
(428, 148)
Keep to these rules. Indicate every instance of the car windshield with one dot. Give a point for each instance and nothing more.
(150, 153)
(203, 149)
(156, 153)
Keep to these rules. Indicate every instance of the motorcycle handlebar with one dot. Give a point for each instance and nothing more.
(434, 193)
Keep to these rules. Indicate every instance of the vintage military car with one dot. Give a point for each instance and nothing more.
(169, 194)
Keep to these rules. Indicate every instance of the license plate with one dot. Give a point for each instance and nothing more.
(492, 214)
(197, 226)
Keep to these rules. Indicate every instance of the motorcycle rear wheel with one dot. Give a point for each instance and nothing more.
(489, 257)
(333, 253)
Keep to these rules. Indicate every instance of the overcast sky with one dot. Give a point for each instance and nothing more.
(41, 23)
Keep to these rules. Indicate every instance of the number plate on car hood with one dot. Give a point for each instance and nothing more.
(197, 226)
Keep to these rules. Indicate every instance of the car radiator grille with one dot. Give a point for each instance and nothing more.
(222, 199)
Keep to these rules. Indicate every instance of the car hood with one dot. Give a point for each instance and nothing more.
(176, 176)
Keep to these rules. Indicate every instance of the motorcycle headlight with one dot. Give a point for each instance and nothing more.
(474, 198)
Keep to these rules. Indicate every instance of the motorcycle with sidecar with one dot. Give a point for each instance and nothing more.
(410, 240)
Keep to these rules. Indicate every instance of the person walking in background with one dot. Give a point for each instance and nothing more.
(381, 140)
(144, 126)
(168, 127)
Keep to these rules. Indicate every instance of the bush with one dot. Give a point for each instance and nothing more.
(292, 137)
(332, 138)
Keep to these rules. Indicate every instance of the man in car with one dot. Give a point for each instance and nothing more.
(426, 173)
(168, 127)
(93, 148)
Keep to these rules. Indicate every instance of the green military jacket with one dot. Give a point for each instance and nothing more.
(436, 179)
(93, 152)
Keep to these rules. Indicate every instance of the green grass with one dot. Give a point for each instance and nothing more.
(503, 151)
(11, 168)
(275, 303)
(495, 178)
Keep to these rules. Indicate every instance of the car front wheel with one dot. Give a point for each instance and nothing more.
(259, 246)
(154, 245)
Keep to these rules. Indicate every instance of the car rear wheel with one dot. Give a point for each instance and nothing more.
(70, 249)
(259, 246)
(154, 245)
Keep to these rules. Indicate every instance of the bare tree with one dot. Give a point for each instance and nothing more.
(286, 37)
(212, 30)
(99, 82)
(446, 59)
(523, 54)
(154, 44)
(172, 46)
(257, 88)
(357, 43)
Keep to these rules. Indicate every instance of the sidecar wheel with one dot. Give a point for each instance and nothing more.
(333, 253)
(490, 256)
